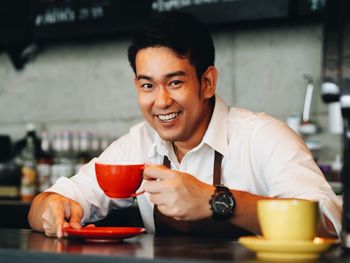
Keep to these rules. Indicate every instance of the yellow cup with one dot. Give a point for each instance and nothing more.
(288, 219)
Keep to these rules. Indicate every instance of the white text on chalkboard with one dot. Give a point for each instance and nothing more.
(168, 5)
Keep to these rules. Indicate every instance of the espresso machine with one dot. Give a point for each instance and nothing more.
(336, 88)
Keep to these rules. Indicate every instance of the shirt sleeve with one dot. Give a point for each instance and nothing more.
(290, 170)
(84, 189)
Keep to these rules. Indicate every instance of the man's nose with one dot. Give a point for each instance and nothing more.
(163, 98)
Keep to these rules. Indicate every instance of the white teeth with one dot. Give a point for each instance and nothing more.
(168, 117)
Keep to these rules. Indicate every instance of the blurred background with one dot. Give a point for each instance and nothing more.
(66, 88)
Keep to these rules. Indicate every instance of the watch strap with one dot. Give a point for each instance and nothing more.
(222, 188)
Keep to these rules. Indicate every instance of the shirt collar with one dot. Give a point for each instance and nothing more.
(216, 134)
(217, 125)
(159, 146)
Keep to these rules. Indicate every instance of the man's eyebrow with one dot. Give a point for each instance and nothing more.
(175, 74)
(143, 77)
(167, 76)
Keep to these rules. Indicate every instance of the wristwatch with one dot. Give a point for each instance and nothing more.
(222, 203)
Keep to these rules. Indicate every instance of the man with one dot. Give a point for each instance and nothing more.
(207, 164)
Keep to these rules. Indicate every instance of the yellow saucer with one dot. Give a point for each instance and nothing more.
(287, 249)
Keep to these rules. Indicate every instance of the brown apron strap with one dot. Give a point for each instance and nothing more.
(217, 168)
(166, 161)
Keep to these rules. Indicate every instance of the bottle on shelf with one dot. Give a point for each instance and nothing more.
(10, 174)
(63, 161)
(106, 140)
(83, 155)
(95, 142)
(21, 144)
(44, 162)
(29, 175)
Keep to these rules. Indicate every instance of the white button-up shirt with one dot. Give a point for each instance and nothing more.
(262, 155)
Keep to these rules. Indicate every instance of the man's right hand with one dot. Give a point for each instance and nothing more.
(51, 212)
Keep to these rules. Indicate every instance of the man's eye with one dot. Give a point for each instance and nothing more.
(175, 83)
(147, 86)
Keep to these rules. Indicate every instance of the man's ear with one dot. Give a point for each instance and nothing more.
(208, 82)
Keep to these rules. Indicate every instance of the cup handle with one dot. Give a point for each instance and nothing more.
(137, 194)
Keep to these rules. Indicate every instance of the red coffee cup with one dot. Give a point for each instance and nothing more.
(119, 179)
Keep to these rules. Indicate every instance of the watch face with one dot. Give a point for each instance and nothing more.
(223, 204)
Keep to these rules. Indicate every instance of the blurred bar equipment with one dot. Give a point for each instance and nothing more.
(331, 93)
(345, 174)
(307, 126)
(336, 89)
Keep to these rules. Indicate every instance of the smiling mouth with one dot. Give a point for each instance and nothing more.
(168, 117)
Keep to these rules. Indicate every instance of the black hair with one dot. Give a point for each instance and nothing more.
(183, 33)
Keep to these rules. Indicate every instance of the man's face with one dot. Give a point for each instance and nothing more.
(170, 95)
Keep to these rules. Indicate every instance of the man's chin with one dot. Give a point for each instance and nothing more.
(168, 137)
(171, 134)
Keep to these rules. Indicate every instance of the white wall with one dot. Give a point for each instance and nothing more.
(90, 87)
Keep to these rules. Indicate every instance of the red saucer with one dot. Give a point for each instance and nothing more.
(104, 233)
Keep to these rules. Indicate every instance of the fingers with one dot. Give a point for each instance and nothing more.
(59, 209)
(59, 218)
(153, 187)
(76, 214)
(65, 224)
(53, 219)
(154, 172)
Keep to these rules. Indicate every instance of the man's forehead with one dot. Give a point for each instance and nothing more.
(152, 54)
(161, 63)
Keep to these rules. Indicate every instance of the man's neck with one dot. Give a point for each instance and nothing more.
(182, 147)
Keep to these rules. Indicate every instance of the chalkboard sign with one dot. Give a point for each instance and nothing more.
(71, 18)
(226, 11)
(65, 19)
